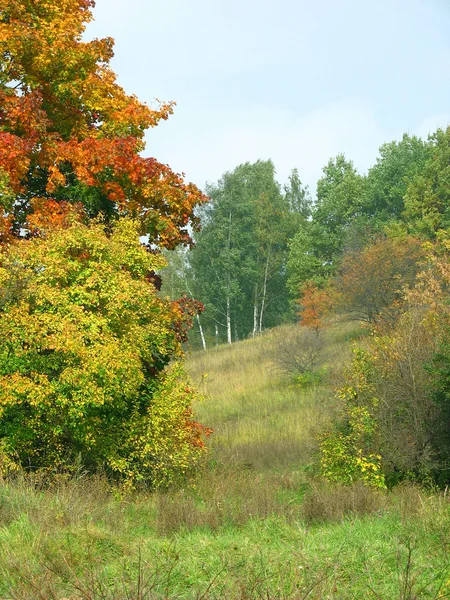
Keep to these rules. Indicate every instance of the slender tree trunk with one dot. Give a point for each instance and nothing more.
(228, 321)
(264, 295)
(255, 313)
(217, 335)
(229, 282)
(200, 328)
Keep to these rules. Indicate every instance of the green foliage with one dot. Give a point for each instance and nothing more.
(439, 369)
(306, 258)
(319, 242)
(388, 180)
(407, 190)
(298, 196)
(350, 454)
(85, 344)
(309, 378)
(340, 194)
(427, 199)
(238, 263)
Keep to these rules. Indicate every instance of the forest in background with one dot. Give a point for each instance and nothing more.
(372, 249)
(261, 242)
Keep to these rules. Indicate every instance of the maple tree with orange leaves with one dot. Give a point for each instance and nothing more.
(315, 303)
(90, 354)
(70, 134)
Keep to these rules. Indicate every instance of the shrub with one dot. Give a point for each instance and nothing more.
(394, 401)
(299, 351)
(85, 347)
(349, 454)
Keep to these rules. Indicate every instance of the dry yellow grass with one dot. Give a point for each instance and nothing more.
(260, 417)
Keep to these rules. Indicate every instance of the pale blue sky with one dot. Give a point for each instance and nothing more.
(295, 81)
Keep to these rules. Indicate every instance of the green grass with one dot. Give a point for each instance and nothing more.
(254, 523)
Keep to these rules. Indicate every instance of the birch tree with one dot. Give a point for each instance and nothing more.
(177, 281)
(240, 255)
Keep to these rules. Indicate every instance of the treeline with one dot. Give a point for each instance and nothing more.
(237, 268)
(373, 248)
(260, 243)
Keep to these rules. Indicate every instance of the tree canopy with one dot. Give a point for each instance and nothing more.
(238, 264)
(85, 344)
(70, 134)
(90, 355)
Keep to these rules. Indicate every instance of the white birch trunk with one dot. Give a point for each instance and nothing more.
(264, 294)
(217, 335)
(255, 313)
(228, 321)
(200, 328)
(229, 340)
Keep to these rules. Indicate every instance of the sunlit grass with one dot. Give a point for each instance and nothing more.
(259, 415)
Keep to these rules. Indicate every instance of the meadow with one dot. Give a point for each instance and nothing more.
(254, 522)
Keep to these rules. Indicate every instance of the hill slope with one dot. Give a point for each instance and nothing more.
(253, 523)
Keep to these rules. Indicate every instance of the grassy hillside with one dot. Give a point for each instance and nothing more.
(255, 521)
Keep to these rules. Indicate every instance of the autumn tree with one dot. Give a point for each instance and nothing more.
(395, 399)
(370, 282)
(315, 303)
(89, 353)
(85, 347)
(69, 132)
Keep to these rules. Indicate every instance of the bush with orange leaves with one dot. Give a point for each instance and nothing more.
(315, 304)
(301, 350)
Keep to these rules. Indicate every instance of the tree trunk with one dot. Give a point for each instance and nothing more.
(228, 321)
(264, 295)
(217, 335)
(200, 328)
(255, 313)
(229, 283)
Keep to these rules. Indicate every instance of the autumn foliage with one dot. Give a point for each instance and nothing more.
(395, 401)
(315, 303)
(69, 132)
(90, 353)
(371, 282)
(85, 347)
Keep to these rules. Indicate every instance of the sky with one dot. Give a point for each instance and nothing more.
(297, 81)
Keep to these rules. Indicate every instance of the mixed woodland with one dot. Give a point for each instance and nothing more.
(243, 362)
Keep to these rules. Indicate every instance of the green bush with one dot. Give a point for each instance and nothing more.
(85, 349)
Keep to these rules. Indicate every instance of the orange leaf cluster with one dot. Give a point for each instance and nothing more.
(315, 304)
(65, 121)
